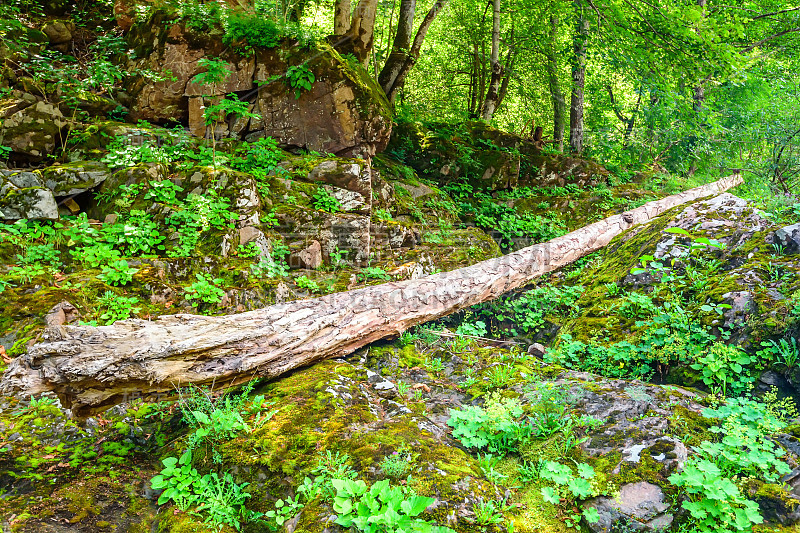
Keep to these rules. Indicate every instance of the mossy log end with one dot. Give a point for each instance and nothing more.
(91, 368)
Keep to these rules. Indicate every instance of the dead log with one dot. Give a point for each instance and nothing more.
(91, 368)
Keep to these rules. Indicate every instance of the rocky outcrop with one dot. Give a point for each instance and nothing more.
(789, 239)
(344, 112)
(24, 196)
(30, 127)
(487, 158)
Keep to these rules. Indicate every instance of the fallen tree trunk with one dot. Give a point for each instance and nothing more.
(91, 368)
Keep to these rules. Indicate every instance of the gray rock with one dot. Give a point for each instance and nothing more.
(22, 195)
(639, 504)
(74, 178)
(349, 200)
(33, 130)
(789, 238)
(742, 303)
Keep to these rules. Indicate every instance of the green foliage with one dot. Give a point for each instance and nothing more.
(782, 352)
(715, 502)
(300, 78)
(304, 282)
(135, 234)
(368, 273)
(214, 421)
(497, 427)
(199, 15)
(510, 226)
(275, 266)
(475, 329)
(324, 201)
(117, 307)
(569, 488)
(671, 337)
(724, 366)
(397, 464)
(231, 105)
(248, 31)
(220, 499)
(383, 215)
(204, 290)
(528, 310)
(118, 273)
(381, 508)
(258, 158)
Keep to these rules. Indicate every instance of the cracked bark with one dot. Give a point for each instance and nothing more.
(91, 368)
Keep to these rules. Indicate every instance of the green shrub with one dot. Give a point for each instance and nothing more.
(246, 31)
(498, 427)
(204, 290)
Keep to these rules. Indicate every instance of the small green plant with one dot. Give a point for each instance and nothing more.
(724, 366)
(501, 375)
(434, 364)
(719, 309)
(475, 329)
(783, 352)
(383, 215)
(248, 251)
(204, 290)
(488, 464)
(488, 512)
(117, 307)
(569, 488)
(612, 289)
(398, 463)
(220, 499)
(368, 273)
(162, 191)
(324, 201)
(300, 78)
(304, 282)
(380, 508)
(118, 273)
(496, 427)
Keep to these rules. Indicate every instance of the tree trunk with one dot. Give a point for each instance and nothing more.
(341, 17)
(556, 94)
(402, 59)
(578, 78)
(361, 34)
(91, 368)
(492, 95)
(400, 45)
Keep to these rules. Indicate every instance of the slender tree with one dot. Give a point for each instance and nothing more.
(579, 46)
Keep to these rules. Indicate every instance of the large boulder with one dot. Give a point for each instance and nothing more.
(30, 127)
(789, 238)
(74, 178)
(23, 195)
(344, 112)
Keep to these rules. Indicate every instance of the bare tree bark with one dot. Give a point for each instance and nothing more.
(556, 94)
(361, 34)
(91, 368)
(341, 17)
(401, 61)
(578, 78)
(492, 94)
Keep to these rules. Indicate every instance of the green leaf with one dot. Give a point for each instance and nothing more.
(416, 505)
(679, 231)
(550, 495)
(591, 515)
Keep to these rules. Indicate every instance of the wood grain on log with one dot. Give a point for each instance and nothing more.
(91, 368)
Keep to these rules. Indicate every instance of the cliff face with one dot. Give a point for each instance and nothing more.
(344, 112)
